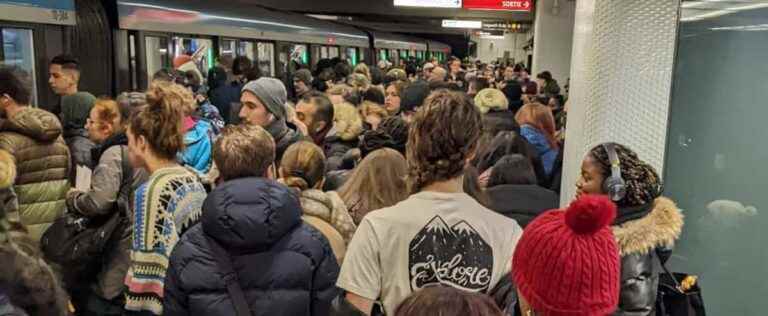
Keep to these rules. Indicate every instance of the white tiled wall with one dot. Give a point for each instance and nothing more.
(621, 79)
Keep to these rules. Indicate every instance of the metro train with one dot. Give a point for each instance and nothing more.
(121, 44)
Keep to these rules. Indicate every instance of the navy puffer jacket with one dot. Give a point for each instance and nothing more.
(284, 266)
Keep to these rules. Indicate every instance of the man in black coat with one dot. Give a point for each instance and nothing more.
(282, 265)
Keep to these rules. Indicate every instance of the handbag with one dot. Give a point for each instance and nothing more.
(77, 243)
(679, 294)
(230, 278)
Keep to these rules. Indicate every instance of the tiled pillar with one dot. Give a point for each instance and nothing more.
(621, 80)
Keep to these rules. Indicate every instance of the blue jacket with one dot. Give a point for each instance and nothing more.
(540, 142)
(284, 266)
(199, 145)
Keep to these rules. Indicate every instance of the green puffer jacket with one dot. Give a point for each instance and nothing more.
(33, 138)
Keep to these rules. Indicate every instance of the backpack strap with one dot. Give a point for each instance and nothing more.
(224, 262)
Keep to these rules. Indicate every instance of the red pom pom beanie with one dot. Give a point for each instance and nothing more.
(567, 262)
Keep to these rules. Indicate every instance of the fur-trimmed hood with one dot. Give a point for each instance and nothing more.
(660, 228)
(7, 170)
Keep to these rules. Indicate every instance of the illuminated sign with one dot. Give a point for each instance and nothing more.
(504, 5)
(462, 24)
(429, 3)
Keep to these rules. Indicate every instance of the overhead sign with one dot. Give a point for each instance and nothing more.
(429, 3)
(504, 5)
(39, 11)
(462, 24)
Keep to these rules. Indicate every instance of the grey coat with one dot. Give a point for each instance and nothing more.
(106, 197)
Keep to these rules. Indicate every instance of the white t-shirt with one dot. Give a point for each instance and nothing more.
(429, 238)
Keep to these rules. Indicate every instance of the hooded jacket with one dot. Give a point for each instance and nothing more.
(285, 267)
(329, 207)
(33, 138)
(198, 143)
(638, 238)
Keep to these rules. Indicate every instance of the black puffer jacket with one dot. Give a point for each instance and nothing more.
(284, 266)
(638, 237)
(522, 202)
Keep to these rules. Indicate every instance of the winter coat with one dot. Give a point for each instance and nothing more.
(80, 146)
(335, 147)
(284, 137)
(521, 202)
(223, 96)
(198, 142)
(334, 180)
(500, 120)
(33, 138)
(284, 266)
(8, 199)
(329, 207)
(539, 141)
(110, 192)
(638, 238)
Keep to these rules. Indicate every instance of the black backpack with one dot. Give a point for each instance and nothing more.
(77, 243)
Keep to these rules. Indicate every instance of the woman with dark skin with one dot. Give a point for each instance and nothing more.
(646, 226)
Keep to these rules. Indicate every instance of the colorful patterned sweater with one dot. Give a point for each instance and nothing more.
(164, 207)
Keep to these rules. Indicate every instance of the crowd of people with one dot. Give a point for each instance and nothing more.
(340, 190)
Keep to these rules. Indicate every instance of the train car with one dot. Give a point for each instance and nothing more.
(32, 32)
(394, 48)
(154, 33)
(438, 50)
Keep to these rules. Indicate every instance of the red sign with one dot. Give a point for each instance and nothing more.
(505, 5)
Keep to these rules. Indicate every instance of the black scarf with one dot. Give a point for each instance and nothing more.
(630, 213)
(114, 140)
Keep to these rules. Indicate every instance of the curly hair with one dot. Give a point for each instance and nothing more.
(642, 181)
(442, 137)
(159, 121)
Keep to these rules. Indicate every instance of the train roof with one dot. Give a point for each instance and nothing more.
(240, 20)
(395, 41)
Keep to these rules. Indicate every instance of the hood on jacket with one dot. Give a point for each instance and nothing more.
(7, 170)
(660, 228)
(250, 213)
(35, 123)
(347, 121)
(317, 203)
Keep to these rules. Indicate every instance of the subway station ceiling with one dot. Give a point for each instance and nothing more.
(384, 15)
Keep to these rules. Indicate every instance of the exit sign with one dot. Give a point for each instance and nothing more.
(503, 5)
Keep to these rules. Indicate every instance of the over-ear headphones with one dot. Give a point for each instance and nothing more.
(614, 185)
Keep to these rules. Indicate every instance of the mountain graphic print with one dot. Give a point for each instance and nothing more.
(455, 255)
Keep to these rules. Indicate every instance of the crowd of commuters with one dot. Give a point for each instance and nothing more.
(417, 190)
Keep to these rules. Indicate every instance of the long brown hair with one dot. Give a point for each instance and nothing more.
(159, 121)
(442, 137)
(540, 117)
(378, 182)
(303, 166)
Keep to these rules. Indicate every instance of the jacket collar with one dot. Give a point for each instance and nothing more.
(660, 228)
(119, 139)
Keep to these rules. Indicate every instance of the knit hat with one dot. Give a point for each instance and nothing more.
(429, 66)
(271, 92)
(414, 96)
(304, 76)
(490, 98)
(567, 262)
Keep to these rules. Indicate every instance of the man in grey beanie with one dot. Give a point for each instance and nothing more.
(263, 104)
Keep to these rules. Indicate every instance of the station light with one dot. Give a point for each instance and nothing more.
(429, 3)
(462, 24)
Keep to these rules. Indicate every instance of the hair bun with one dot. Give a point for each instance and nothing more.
(590, 213)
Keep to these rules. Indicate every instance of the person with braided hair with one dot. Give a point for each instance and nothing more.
(395, 249)
(646, 226)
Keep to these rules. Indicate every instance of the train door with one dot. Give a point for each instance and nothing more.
(19, 51)
(156, 56)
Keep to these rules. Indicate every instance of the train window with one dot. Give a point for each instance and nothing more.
(200, 49)
(266, 60)
(228, 49)
(333, 52)
(246, 49)
(157, 55)
(18, 51)
(351, 56)
(324, 52)
(299, 54)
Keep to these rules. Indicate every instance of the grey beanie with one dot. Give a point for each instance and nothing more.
(271, 92)
(304, 76)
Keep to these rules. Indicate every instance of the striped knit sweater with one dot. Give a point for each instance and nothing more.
(164, 207)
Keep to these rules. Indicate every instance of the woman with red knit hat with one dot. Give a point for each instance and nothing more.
(567, 262)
